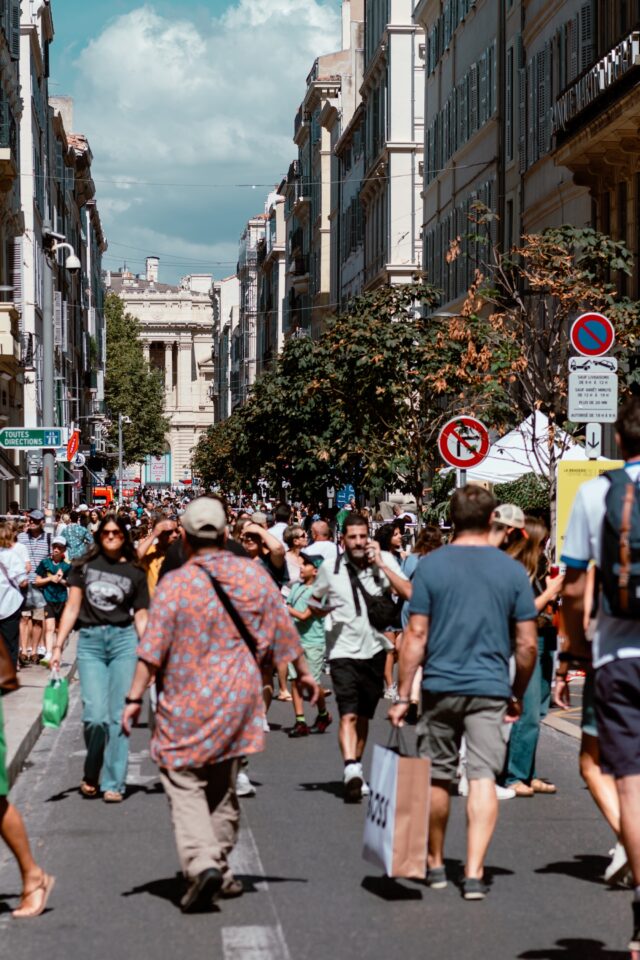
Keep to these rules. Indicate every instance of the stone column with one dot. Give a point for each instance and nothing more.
(168, 373)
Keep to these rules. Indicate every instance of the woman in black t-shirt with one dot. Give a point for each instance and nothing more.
(108, 598)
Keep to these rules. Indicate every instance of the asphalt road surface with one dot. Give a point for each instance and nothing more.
(309, 895)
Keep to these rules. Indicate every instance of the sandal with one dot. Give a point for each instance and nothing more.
(543, 786)
(88, 790)
(284, 697)
(521, 789)
(42, 891)
(112, 796)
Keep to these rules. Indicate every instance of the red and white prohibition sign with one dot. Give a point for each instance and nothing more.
(464, 442)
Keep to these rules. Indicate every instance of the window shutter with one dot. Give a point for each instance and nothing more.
(482, 89)
(573, 48)
(586, 35)
(14, 38)
(532, 112)
(473, 99)
(508, 122)
(16, 276)
(65, 327)
(522, 108)
(542, 90)
(57, 318)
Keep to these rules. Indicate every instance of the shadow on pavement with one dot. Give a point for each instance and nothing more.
(4, 906)
(132, 788)
(388, 889)
(584, 866)
(334, 787)
(575, 950)
(172, 888)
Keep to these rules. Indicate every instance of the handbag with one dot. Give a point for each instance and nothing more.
(382, 610)
(396, 829)
(55, 701)
(8, 676)
(239, 623)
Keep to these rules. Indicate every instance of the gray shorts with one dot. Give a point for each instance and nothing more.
(446, 717)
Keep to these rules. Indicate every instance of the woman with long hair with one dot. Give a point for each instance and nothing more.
(389, 536)
(529, 550)
(108, 596)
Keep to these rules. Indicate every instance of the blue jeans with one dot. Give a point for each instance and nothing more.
(106, 664)
(523, 743)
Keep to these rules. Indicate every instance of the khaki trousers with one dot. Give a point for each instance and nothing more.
(205, 814)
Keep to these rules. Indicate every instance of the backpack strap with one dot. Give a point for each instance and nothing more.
(625, 547)
(239, 623)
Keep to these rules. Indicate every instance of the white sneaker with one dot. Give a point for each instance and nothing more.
(505, 793)
(244, 787)
(618, 866)
(41, 651)
(265, 725)
(463, 786)
(391, 693)
(353, 781)
(365, 789)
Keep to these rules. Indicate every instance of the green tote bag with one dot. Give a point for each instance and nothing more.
(55, 702)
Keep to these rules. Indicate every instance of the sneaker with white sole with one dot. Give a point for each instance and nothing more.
(353, 781)
(365, 789)
(505, 793)
(391, 692)
(41, 651)
(473, 888)
(618, 866)
(244, 787)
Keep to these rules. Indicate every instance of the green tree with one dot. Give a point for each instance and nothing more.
(131, 388)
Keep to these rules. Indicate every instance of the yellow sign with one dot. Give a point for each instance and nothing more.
(571, 475)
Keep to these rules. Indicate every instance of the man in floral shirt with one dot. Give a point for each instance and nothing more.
(210, 712)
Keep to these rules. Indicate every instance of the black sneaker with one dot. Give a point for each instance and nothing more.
(634, 943)
(473, 888)
(202, 892)
(437, 878)
(299, 729)
(322, 723)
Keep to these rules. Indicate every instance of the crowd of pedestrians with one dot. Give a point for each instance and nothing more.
(211, 610)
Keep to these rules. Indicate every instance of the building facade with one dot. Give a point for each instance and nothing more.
(244, 342)
(226, 316)
(177, 335)
(11, 229)
(271, 283)
(393, 96)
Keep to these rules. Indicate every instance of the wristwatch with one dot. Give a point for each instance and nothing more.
(131, 700)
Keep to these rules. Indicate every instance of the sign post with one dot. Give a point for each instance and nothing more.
(18, 438)
(592, 335)
(593, 440)
(463, 443)
(593, 381)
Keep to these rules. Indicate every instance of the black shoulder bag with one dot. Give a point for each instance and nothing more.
(239, 623)
(382, 611)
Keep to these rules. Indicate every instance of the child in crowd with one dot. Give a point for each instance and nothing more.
(51, 577)
(311, 630)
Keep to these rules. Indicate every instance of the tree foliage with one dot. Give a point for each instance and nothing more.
(131, 388)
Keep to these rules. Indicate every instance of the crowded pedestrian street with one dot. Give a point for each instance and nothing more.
(308, 892)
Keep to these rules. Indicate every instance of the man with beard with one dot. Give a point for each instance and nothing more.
(356, 650)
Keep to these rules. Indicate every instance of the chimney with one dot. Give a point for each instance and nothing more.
(153, 266)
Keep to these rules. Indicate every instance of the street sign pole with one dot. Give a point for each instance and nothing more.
(48, 390)
(593, 440)
(461, 478)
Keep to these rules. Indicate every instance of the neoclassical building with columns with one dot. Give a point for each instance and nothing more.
(177, 333)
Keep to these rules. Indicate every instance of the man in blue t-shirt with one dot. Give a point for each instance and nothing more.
(465, 598)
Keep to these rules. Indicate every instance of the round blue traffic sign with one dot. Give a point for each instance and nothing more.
(592, 335)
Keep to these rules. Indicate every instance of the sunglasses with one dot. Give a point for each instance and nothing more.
(113, 533)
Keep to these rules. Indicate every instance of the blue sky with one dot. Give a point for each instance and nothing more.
(182, 102)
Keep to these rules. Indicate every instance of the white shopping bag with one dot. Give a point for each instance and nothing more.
(397, 825)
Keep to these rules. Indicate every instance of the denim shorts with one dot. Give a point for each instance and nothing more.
(618, 713)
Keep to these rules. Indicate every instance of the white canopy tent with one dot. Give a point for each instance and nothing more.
(525, 450)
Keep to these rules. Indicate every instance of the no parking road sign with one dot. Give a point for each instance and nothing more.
(464, 442)
(592, 335)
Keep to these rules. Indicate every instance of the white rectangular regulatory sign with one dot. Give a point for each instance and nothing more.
(593, 397)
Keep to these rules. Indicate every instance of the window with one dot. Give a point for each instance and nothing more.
(508, 123)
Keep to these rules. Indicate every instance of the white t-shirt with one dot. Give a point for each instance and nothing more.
(10, 595)
(277, 531)
(23, 553)
(346, 633)
(615, 638)
(326, 549)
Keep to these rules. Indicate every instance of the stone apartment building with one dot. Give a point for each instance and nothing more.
(531, 110)
(226, 310)
(393, 95)
(271, 283)
(177, 334)
(244, 341)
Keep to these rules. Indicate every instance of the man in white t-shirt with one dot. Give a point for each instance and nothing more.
(282, 518)
(355, 649)
(616, 647)
(322, 546)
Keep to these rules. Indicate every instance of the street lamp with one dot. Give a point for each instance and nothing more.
(121, 420)
(53, 243)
